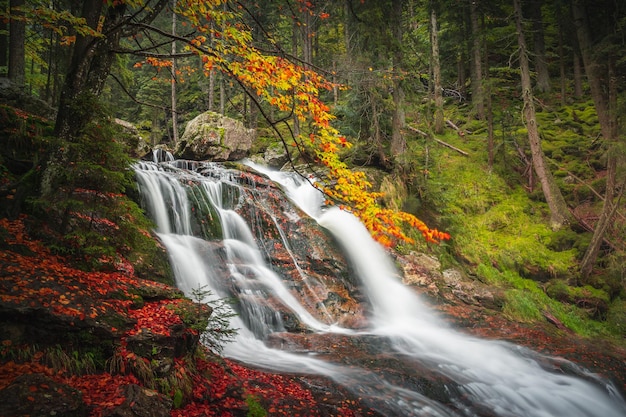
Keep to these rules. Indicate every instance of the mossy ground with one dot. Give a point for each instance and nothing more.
(499, 221)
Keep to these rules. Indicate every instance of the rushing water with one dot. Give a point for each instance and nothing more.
(478, 377)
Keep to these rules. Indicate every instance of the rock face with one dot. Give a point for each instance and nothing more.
(39, 395)
(211, 136)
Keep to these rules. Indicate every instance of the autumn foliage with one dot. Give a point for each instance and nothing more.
(295, 90)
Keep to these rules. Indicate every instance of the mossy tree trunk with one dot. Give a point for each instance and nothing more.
(559, 213)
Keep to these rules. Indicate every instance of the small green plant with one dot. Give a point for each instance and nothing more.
(74, 363)
(255, 409)
(218, 330)
(177, 398)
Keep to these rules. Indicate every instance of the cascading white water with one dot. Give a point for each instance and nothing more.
(502, 378)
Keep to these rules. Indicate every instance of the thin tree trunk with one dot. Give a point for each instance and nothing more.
(578, 78)
(563, 79)
(174, 110)
(477, 76)
(539, 46)
(489, 103)
(398, 142)
(559, 213)
(17, 38)
(438, 93)
(4, 44)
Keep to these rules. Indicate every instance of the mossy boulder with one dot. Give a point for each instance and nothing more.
(211, 136)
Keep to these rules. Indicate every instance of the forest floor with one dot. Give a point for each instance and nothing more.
(110, 344)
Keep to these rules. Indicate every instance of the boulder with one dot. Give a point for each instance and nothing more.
(275, 156)
(16, 96)
(39, 395)
(211, 136)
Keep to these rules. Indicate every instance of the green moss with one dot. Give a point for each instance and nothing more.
(522, 306)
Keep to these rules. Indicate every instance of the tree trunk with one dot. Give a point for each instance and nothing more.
(89, 68)
(539, 47)
(17, 38)
(489, 104)
(605, 101)
(562, 76)
(476, 69)
(174, 111)
(438, 92)
(4, 45)
(398, 142)
(578, 78)
(559, 213)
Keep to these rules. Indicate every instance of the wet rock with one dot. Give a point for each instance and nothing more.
(36, 395)
(424, 271)
(420, 270)
(141, 402)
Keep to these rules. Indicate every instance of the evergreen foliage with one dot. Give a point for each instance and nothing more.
(491, 204)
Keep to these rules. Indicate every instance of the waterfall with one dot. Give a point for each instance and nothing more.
(477, 377)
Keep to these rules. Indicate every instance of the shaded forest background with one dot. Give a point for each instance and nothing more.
(498, 122)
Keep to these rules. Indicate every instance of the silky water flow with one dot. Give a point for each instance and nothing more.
(481, 377)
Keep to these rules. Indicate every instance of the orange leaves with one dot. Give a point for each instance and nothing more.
(159, 63)
(67, 40)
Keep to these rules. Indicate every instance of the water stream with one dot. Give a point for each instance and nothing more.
(468, 376)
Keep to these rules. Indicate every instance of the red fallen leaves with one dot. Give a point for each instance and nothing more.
(11, 370)
(279, 395)
(157, 316)
(41, 280)
(102, 391)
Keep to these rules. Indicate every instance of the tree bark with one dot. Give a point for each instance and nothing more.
(559, 213)
(398, 142)
(477, 76)
(539, 47)
(174, 110)
(4, 45)
(436, 67)
(89, 68)
(600, 75)
(578, 82)
(17, 38)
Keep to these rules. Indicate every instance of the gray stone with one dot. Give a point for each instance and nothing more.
(213, 137)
